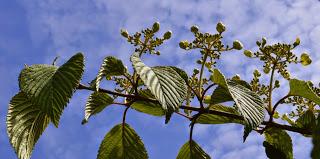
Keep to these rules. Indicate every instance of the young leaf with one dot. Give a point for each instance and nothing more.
(25, 124)
(277, 144)
(306, 120)
(122, 142)
(315, 154)
(191, 150)
(164, 83)
(49, 87)
(302, 89)
(97, 101)
(217, 119)
(147, 107)
(248, 103)
(111, 66)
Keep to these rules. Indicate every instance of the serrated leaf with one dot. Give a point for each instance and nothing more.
(25, 124)
(164, 83)
(248, 103)
(315, 153)
(96, 102)
(147, 107)
(181, 72)
(278, 144)
(122, 142)
(50, 87)
(111, 66)
(217, 119)
(191, 150)
(306, 120)
(220, 95)
(302, 89)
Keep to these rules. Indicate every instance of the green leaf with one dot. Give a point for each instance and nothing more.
(217, 119)
(49, 87)
(302, 89)
(122, 142)
(191, 150)
(147, 107)
(111, 66)
(25, 124)
(306, 120)
(181, 72)
(220, 95)
(164, 83)
(278, 144)
(315, 154)
(248, 103)
(96, 102)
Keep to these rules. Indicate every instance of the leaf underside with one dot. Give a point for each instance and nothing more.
(164, 83)
(191, 150)
(217, 119)
(96, 102)
(147, 107)
(302, 89)
(122, 142)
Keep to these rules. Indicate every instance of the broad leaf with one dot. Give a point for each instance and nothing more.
(278, 144)
(25, 124)
(96, 102)
(164, 83)
(302, 89)
(248, 103)
(306, 120)
(315, 154)
(147, 107)
(217, 119)
(191, 150)
(122, 142)
(181, 72)
(220, 95)
(111, 66)
(49, 87)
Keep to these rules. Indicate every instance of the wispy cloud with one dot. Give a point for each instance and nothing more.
(66, 27)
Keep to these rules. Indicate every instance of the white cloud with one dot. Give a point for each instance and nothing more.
(93, 27)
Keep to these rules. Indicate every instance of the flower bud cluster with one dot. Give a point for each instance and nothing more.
(145, 40)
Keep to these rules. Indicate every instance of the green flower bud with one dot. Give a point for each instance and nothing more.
(184, 44)
(124, 33)
(297, 42)
(196, 71)
(248, 53)
(277, 84)
(286, 75)
(194, 29)
(256, 73)
(207, 99)
(199, 61)
(237, 45)
(220, 27)
(157, 53)
(167, 35)
(264, 41)
(236, 77)
(258, 43)
(305, 59)
(156, 27)
(266, 70)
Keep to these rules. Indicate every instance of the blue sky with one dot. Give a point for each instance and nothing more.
(38, 31)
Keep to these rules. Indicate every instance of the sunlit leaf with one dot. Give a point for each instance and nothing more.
(50, 87)
(302, 89)
(25, 124)
(315, 154)
(111, 66)
(191, 150)
(164, 83)
(96, 102)
(122, 142)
